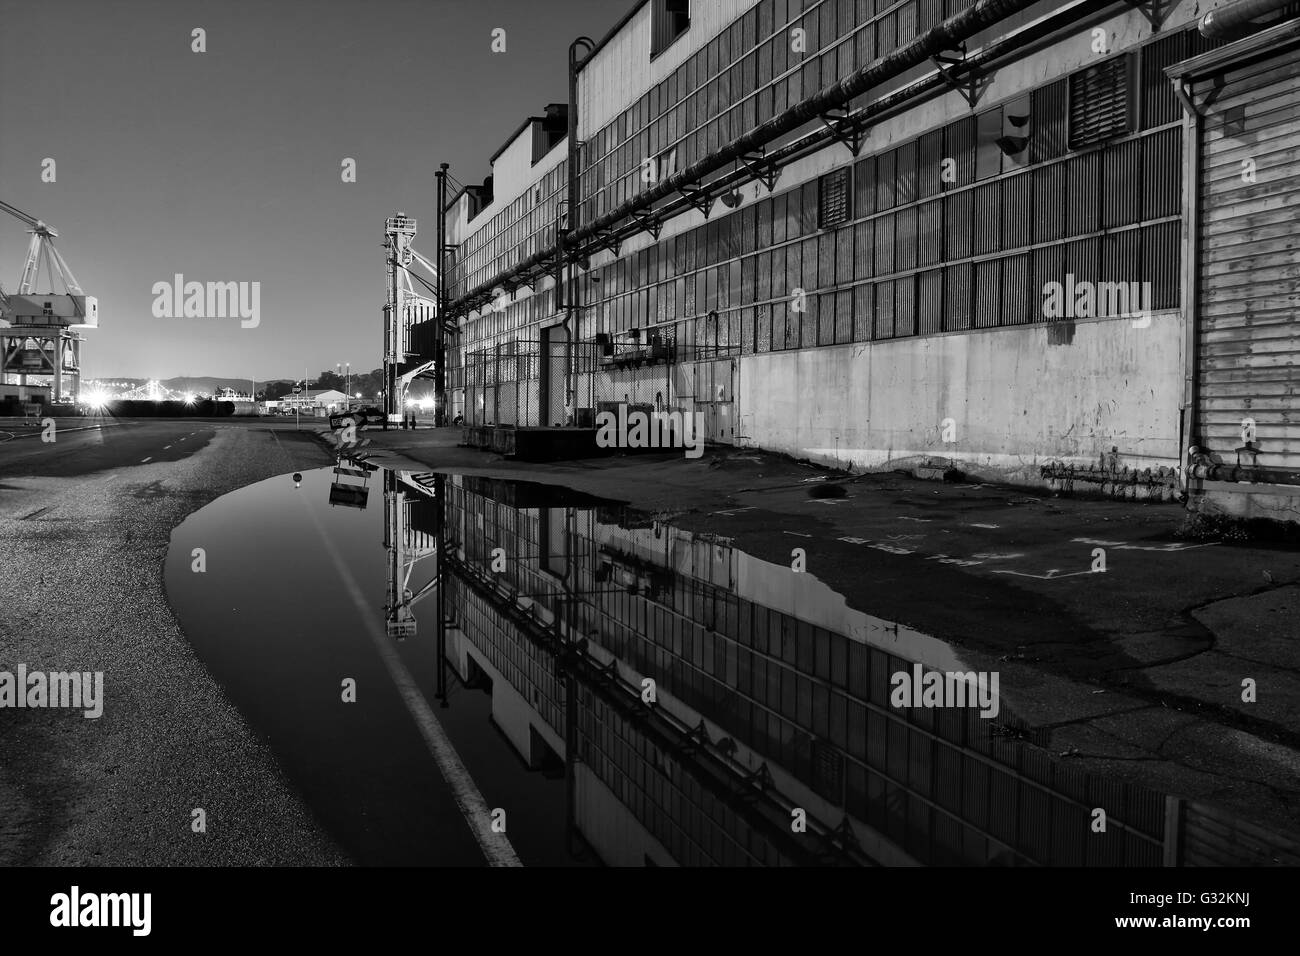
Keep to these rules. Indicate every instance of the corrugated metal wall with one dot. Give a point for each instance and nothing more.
(1249, 334)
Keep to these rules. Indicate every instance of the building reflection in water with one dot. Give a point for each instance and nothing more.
(771, 696)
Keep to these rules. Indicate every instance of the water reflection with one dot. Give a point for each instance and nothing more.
(670, 699)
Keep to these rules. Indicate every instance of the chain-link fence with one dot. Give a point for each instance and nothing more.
(562, 384)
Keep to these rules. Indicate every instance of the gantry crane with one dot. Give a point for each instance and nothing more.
(37, 337)
(404, 308)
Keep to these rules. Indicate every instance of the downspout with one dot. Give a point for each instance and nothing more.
(572, 306)
(1191, 275)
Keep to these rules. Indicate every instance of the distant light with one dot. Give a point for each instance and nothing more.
(358, 394)
(426, 402)
(189, 399)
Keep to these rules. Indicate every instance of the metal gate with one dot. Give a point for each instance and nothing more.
(711, 385)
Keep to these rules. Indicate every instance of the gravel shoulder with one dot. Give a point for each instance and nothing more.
(83, 590)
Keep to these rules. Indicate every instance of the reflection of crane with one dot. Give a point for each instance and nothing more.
(407, 544)
(405, 307)
(36, 337)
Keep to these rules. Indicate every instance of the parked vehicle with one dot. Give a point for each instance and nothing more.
(361, 416)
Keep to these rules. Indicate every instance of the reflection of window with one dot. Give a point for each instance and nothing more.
(1003, 138)
(833, 206)
(669, 19)
(666, 165)
(1099, 103)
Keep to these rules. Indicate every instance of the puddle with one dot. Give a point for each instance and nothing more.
(771, 739)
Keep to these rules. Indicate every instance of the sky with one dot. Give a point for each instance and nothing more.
(225, 166)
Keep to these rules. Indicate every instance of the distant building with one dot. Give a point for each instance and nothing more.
(324, 400)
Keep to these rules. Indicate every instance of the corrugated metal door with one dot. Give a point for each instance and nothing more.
(1249, 339)
(715, 391)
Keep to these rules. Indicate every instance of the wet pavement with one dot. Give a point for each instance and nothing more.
(770, 737)
(621, 689)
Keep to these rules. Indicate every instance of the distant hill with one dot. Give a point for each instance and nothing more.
(207, 384)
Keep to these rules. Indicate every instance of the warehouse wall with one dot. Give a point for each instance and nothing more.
(1018, 398)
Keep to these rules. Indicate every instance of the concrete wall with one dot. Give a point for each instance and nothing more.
(1019, 398)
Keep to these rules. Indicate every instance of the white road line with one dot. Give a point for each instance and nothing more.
(165, 447)
(496, 847)
(143, 460)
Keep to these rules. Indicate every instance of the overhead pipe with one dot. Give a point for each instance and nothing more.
(898, 100)
(945, 36)
(1236, 20)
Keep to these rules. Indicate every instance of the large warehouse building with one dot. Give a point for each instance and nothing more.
(1045, 242)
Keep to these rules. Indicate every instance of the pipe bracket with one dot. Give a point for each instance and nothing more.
(699, 198)
(761, 168)
(848, 131)
(973, 81)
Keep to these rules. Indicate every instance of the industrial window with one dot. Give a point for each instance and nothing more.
(669, 19)
(666, 165)
(833, 198)
(1099, 103)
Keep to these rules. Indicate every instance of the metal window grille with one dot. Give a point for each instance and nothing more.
(1100, 103)
(833, 205)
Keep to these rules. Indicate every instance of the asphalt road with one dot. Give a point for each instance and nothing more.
(85, 523)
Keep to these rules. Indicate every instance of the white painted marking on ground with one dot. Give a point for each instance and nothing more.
(797, 534)
(496, 847)
(165, 447)
(1052, 575)
(1169, 548)
(143, 460)
(906, 518)
(976, 524)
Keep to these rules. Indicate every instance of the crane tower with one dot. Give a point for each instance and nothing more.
(38, 341)
(404, 307)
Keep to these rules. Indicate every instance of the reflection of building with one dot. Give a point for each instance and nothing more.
(771, 696)
(759, 658)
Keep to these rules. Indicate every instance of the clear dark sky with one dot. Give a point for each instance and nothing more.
(225, 165)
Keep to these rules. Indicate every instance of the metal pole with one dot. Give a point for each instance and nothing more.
(440, 491)
(440, 356)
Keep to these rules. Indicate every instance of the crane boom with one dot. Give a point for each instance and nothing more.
(26, 217)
